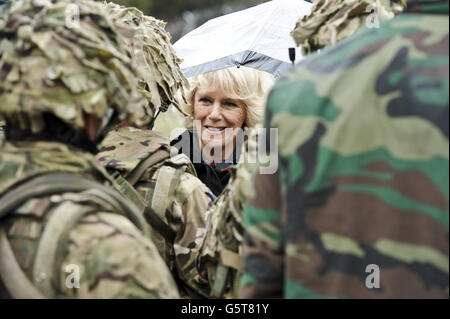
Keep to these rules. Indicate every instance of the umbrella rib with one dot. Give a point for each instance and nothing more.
(271, 12)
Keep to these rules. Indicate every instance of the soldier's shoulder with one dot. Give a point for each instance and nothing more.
(20, 162)
(189, 186)
(126, 147)
(190, 183)
(320, 83)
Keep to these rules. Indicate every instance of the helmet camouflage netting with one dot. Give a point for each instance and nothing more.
(331, 21)
(53, 62)
(161, 79)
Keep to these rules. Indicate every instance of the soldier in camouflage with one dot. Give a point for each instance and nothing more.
(359, 206)
(200, 239)
(162, 183)
(64, 80)
(173, 199)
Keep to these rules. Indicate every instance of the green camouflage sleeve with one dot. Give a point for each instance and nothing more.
(189, 208)
(178, 197)
(185, 214)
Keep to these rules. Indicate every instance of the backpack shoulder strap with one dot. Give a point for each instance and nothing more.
(161, 194)
(60, 183)
(150, 215)
(14, 279)
(153, 159)
(59, 224)
(154, 206)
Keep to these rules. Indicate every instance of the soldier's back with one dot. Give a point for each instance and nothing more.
(66, 232)
(173, 199)
(363, 132)
(72, 236)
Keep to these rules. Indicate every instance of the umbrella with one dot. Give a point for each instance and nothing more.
(257, 37)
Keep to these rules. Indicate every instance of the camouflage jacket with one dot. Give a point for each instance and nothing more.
(359, 207)
(56, 233)
(169, 185)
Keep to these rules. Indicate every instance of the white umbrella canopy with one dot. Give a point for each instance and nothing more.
(257, 37)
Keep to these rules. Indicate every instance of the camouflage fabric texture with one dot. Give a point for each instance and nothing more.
(48, 67)
(114, 258)
(161, 80)
(363, 176)
(169, 185)
(46, 51)
(331, 21)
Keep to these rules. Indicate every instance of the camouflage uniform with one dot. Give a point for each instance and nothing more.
(168, 187)
(199, 239)
(363, 176)
(57, 213)
(164, 187)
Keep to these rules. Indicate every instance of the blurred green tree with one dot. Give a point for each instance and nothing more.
(171, 9)
(184, 15)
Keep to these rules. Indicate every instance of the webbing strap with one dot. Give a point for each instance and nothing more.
(156, 157)
(166, 184)
(129, 191)
(227, 259)
(61, 222)
(61, 183)
(157, 223)
(161, 194)
(14, 279)
(174, 183)
(231, 259)
(150, 215)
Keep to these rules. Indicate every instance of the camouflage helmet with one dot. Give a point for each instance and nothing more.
(65, 58)
(331, 21)
(161, 79)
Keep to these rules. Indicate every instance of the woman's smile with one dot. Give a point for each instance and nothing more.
(214, 130)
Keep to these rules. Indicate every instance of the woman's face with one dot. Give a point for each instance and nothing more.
(217, 117)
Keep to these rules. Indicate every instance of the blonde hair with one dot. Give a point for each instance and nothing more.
(245, 84)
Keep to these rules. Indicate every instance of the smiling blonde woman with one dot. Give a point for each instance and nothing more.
(220, 104)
